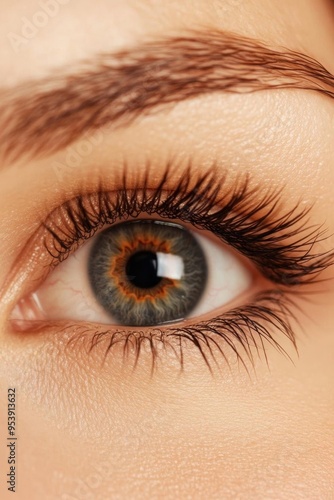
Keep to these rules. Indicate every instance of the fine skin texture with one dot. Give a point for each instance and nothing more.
(86, 429)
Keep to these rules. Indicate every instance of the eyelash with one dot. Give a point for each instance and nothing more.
(252, 227)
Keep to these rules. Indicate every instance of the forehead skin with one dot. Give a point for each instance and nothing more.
(85, 433)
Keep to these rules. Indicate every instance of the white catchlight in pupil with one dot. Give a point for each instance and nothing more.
(170, 266)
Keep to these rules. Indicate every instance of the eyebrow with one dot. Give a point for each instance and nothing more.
(39, 118)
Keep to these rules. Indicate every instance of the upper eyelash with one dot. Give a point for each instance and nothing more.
(251, 226)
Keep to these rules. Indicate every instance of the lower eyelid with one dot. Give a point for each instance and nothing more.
(239, 336)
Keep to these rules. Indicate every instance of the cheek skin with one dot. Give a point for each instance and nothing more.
(112, 424)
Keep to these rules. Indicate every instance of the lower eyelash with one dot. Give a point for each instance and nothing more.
(242, 330)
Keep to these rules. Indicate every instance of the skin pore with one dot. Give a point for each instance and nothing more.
(88, 429)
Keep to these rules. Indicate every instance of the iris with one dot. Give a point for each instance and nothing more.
(147, 272)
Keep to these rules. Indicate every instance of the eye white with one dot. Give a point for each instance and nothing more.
(228, 277)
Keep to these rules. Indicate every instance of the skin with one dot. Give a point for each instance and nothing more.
(87, 430)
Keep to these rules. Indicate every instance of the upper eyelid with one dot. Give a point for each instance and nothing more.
(118, 88)
(29, 265)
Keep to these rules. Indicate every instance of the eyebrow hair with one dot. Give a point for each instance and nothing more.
(43, 117)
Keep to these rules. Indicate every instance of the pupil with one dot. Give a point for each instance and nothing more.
(142, 268)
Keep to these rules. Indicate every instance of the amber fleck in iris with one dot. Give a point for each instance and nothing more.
(142, 247)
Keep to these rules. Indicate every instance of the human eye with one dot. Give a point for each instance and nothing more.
(143, 272)
(175, 263)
